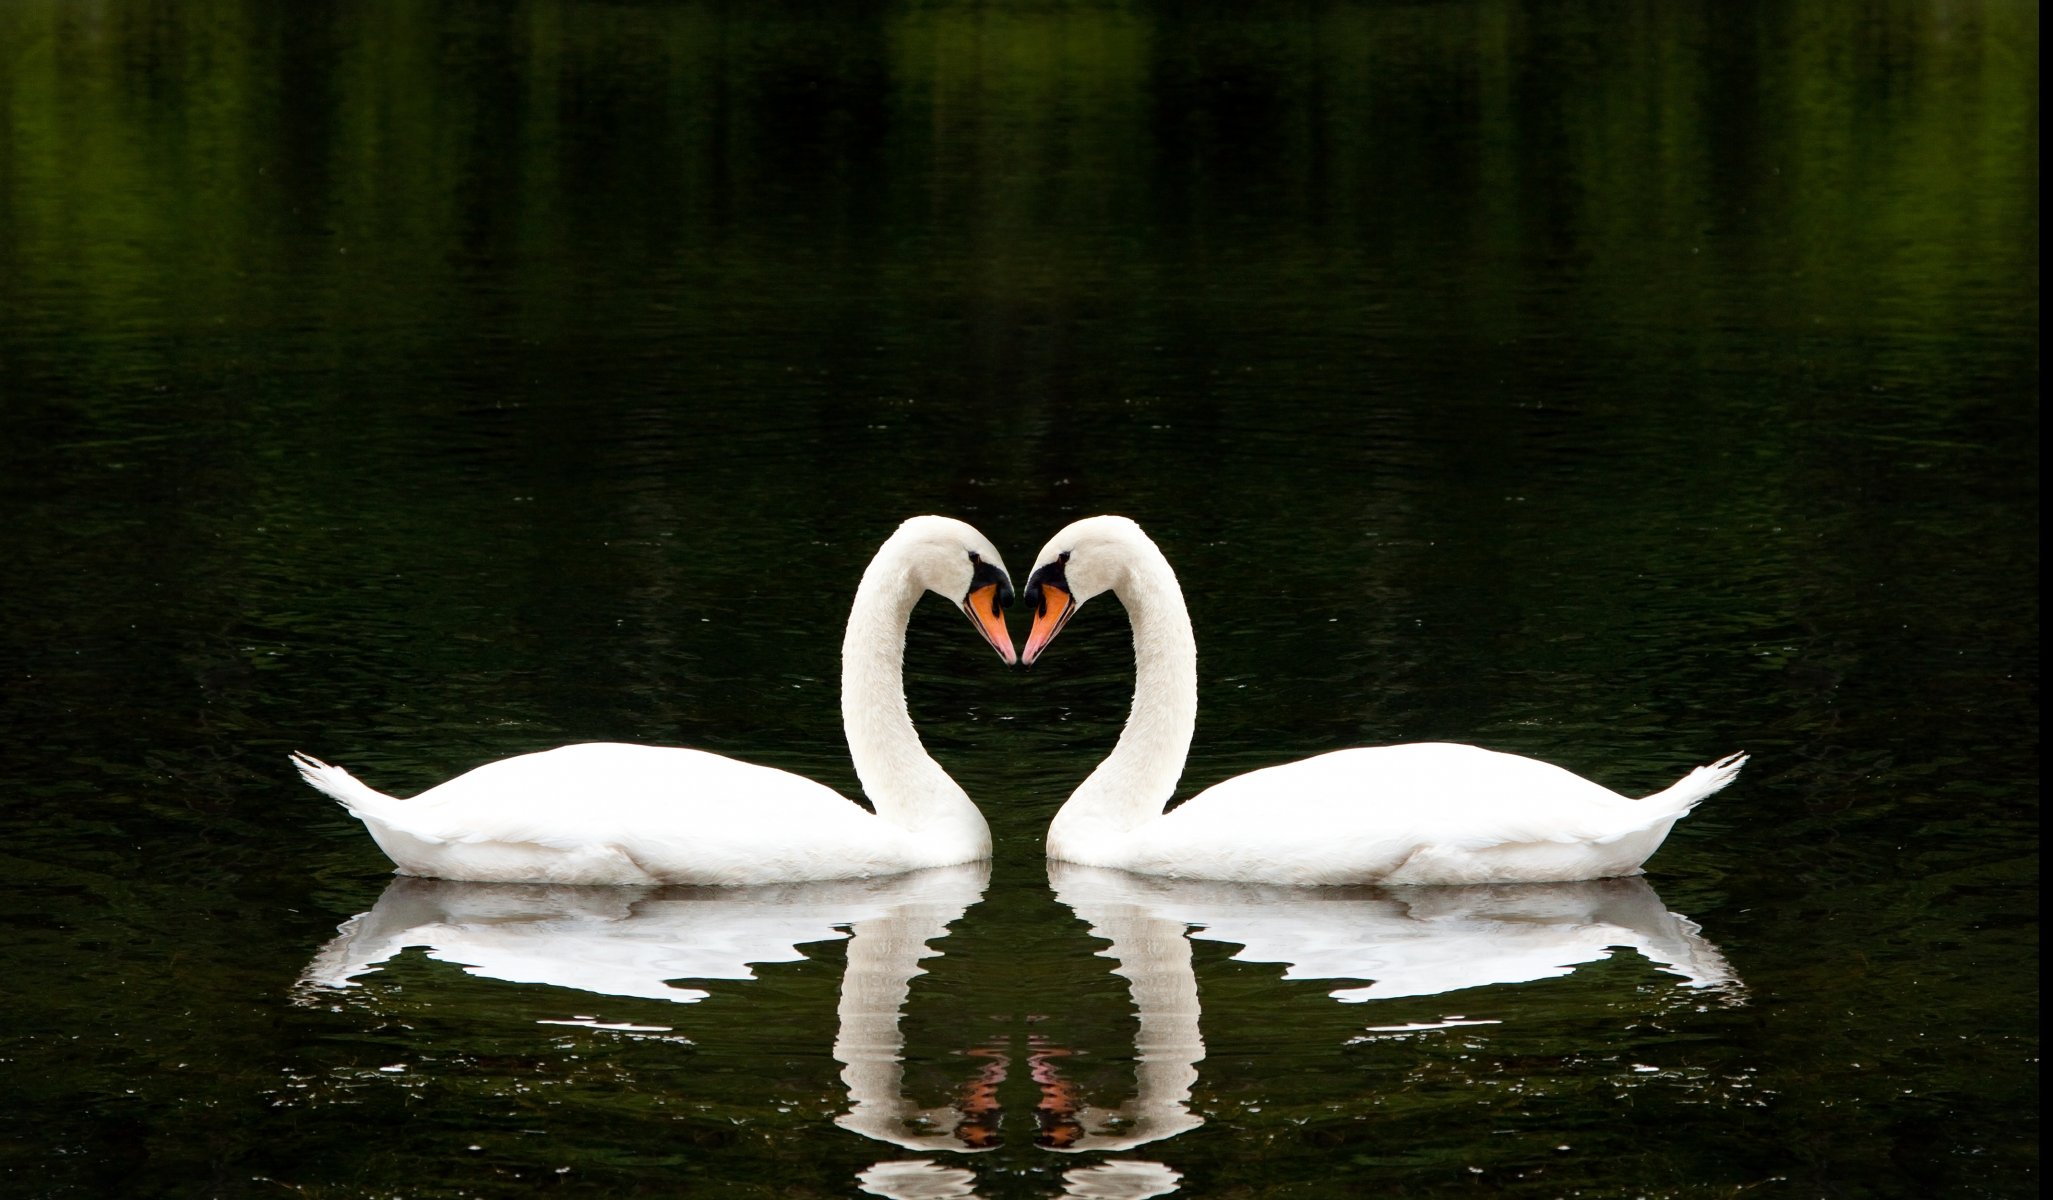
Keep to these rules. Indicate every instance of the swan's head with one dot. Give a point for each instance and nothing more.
(1091, 556)
(950, 558)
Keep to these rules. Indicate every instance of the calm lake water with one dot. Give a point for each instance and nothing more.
(1617, 384)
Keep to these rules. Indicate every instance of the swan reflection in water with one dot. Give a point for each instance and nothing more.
(1404, 941)
(1383, 943)
(632, 941)
(635, 942)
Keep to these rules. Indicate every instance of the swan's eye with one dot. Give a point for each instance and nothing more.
(985, 575)
(1055, 574)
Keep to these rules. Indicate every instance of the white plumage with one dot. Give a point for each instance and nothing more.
(1430, 812)
(610, 813)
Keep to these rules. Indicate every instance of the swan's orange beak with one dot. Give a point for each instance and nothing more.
(1054, 608)
(986, 608)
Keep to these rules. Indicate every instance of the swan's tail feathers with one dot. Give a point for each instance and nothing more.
(1698, 784)
(355, 795)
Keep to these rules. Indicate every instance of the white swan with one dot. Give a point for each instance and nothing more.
(607, 813)
(1430, 812)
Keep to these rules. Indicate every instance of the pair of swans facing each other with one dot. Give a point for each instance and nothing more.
(650, 944)
(1425, 813)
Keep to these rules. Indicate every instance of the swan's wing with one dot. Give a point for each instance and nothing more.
(608, 791)
(1440, 791)
(605, 812)
(1424, 813)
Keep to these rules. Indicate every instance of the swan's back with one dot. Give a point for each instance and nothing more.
(608, 812)
(1427, 812)
(628, 786)
(1463, 793)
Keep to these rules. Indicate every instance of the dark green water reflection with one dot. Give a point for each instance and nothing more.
(1617, 384)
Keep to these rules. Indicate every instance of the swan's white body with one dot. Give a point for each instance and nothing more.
(608, 813)
(1431, 812)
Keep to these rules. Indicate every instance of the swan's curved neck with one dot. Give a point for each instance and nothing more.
(908, 788)
(1135, 781)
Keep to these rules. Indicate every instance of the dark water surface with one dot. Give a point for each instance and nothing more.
(420, 384)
